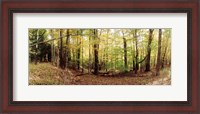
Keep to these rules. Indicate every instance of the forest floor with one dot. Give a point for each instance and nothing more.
(47, 74)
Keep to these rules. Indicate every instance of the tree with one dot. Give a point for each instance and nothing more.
(159, 53)
(33, 48)
(125, 51)
(149, 50)
(101, 51)
(96, 47)
(52, 47)
(61, 54)
(133, 49)
(165, 45)
(68, 53)
(137, 53)
(81, 42)
(107, 37)
(36, 54)
(79, 37)
(89, 58)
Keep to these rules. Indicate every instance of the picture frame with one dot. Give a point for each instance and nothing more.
(87, 6)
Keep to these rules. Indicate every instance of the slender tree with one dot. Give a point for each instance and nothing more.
(133, 50)
(163, 58)
(107, 37)
(82, 63)
(89, 58)
(36, 54)
(159, 53)
(52, 47)
(61, 54)
(125, 52)
(137, 52)
(68, 53)
(149, 50)
(78, 50)
(96, 47)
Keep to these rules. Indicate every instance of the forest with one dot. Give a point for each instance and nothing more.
(99, 56)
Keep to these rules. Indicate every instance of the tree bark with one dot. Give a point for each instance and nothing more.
(61, 54)
(137, 53)
(82, 56)
(125, 53)
(159, 53)
(163, 58)
(96, 59)
(68, 54)
(133, 53)
(89, 63)
(36, 54)
(149, 51)
(107, 50)
(78, 51)
(52, 47)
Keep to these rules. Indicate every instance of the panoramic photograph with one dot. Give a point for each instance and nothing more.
(99, 56)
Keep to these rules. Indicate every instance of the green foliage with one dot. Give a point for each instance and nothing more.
(110, 46)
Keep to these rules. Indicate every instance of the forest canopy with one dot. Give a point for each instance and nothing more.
(102, 52)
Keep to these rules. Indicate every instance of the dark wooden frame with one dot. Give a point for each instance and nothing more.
(152, 6)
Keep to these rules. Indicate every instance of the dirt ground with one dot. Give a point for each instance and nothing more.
(47, 74)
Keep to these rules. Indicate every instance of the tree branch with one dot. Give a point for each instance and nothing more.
(142, 59)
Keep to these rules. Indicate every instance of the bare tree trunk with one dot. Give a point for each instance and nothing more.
(133, 53)
(36, 54)
(137, 53)
(68, 54)
(78, 51)
(57, 56)
(141, 64)
(52, 47)
(107, 50)
(82, 56)
(125, 53)
(96, 59)
(89, 64)
(149, 50)
(163, 58)
(61, 54)
(159, 53)
(155, 58)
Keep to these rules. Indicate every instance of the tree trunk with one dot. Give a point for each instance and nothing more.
(68, 54)
(141, 65)
(96, 59)
(78, 51)
(154, 62)
(52, 47)
(61, 54)
(82, 56)
(125, 53)
(107, 50)
(163, 58)
(149, 51)
(137, 53)
(89, 63)
(133, 53)
(159, 53)
(36, 54)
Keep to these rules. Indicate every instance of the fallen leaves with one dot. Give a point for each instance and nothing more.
(47, 74)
